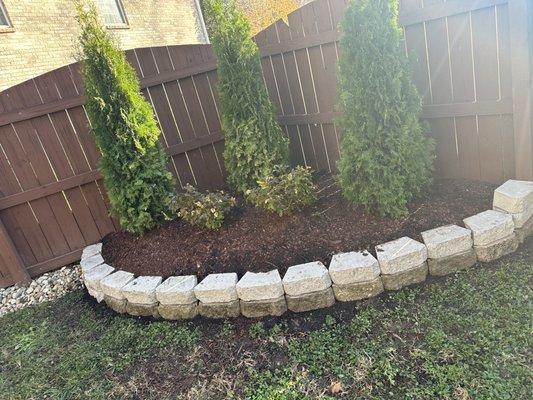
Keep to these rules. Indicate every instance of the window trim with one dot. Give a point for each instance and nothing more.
(9, 27)
(122, 11)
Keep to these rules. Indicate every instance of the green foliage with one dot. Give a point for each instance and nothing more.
(284, 192)
(69, 349)
(257, 330)
(467, 336)
(254, 142)
(133, 164)
(386, 158)
(202, 209)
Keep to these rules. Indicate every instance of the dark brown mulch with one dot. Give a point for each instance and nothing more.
(254, 240)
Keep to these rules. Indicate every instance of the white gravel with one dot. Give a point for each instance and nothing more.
(49, 286)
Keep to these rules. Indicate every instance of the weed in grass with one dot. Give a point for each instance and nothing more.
(257, 330)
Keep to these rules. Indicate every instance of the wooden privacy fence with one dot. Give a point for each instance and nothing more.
(472, 67)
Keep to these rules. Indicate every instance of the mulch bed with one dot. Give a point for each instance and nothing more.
(255, 240)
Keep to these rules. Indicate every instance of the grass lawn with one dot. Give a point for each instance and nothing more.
(463, 337)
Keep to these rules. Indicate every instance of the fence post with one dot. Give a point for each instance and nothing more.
(521, 72)
(15, 266)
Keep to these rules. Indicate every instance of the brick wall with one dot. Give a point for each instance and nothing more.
(44, 33)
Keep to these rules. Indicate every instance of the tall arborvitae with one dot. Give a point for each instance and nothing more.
(122, 122)
(254, 141)
(386, 158)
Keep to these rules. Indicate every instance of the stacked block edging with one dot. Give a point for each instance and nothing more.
(351, 276)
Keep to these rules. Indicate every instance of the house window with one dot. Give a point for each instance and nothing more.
(4, 19)
(112, 12)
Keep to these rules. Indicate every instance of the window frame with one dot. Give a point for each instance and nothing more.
(9, 27)
(122, 12)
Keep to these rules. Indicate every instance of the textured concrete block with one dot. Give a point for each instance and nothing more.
(231, 309)
(358, 290)
(98, 295)
(353, 267)
(400, 255)
(142, 290)
(178, 311)
(526, 230)
(91, 250)
(449, 265)
(306, 278)
(263, 308)
(113, 284)
(446, 241)
(177, 290)
(310, 301)
(520, 219)
(489, 226)
(405, 278)
(117, 305)
(514, 196)
(142, 310)
(89, 263)
(260, 286)
(93, 277)
(497, 249)
(217, 288)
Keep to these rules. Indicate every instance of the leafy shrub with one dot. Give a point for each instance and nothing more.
(133, 164)
(202, 209)
(386, 158)
(254, 142)
(284, 191)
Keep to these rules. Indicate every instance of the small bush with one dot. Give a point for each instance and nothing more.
(284, 191)
(202, 209)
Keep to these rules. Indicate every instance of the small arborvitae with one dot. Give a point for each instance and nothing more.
(254, 141)
(133, 163)
(386, 157)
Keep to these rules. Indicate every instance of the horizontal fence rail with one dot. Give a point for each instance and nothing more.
(470, 64)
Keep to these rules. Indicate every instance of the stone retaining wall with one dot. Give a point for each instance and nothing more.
(351, 276)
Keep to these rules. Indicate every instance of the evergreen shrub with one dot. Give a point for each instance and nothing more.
(284, 191)
(254, 142)
(202, 209)
(133, 164)
(386, 157)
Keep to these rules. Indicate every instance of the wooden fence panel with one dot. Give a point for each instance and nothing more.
(466, 84)
(471, 66)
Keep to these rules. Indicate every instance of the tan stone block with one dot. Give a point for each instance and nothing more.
(358, 291)
(405, 278)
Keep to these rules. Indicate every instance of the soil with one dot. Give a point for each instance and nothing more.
(255, 240)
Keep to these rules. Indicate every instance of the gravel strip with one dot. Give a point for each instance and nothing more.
(49, 286)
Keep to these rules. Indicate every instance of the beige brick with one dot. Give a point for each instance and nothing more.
(45, 33)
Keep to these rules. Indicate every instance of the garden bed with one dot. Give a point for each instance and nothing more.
(255, 240)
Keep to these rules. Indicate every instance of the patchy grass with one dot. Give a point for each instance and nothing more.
(464, 337)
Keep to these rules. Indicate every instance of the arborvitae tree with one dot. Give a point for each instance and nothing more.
(133, 163)
(386, 157)
(254, 142)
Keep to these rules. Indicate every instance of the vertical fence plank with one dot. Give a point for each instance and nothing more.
(519, 10)
(14, 264)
